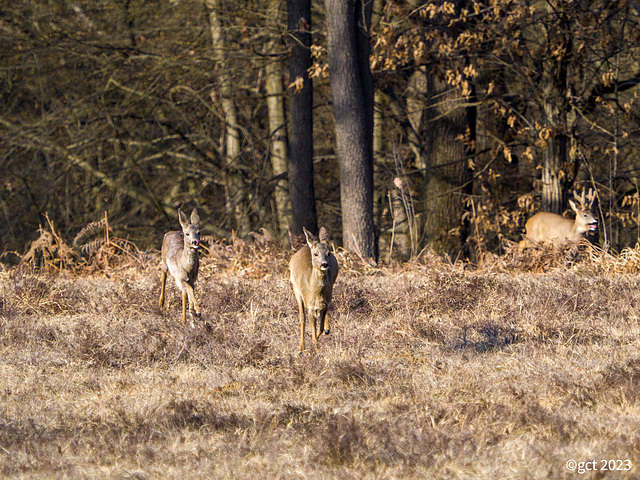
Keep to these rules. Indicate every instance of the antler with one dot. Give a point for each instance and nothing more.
(590, 195)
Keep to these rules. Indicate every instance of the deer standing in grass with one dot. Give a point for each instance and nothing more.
(180, 258)
(313, 271)
(553, 228)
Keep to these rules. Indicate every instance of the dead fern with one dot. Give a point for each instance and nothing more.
(49, 252)
(92, 247)
(89, 231)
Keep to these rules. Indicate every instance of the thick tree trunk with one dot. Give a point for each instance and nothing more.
(556, 168)
(301, 190)
(552, 161)
(446, 170)
(555, 161)
(352, 92)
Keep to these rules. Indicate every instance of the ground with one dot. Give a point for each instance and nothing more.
(431, 370)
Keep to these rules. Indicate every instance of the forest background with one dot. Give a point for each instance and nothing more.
(463, 119)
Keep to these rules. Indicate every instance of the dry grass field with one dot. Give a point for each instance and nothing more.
(430, 371)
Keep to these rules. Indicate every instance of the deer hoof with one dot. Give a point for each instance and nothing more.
(326, 332)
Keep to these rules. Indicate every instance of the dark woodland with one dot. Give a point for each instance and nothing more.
(478, 116)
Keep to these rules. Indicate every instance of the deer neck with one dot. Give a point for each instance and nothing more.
(320, 278)
(578, 229)
(189, 258)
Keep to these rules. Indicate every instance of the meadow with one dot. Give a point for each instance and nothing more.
(431, 370)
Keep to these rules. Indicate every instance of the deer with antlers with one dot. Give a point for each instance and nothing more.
(552, 228)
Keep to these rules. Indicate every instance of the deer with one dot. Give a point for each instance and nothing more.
(180, 258)
(553, 228)
(313, 271)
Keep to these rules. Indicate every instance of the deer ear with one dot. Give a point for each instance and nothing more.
(573, 206)
(323, 236)
(195, 218)
(184, 221)
(310, 237)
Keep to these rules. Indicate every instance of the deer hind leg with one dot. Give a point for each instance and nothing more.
(163, 283)
(301, 316)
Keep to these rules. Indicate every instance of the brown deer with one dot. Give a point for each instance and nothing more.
(553, 228)
(180, 258)
(313, 271)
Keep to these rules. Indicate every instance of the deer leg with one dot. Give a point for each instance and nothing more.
(301, 314)
(324, 323)
(163, 283)
(184, 306)
(317, 324)
(314, 314)
(192, 300)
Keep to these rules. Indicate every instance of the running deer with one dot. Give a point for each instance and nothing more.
(313, 271)
(553, 228)
(180, 258)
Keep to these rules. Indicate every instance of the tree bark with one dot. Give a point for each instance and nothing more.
(447, 174)
(352, 92)
(231, 146)
(554, 152)
(278, 148)
(301, 190)
(446, 169)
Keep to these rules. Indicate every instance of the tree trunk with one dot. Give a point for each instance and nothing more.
(278, 149)
(379, 196)
(235, 202)
(552, 161)
(555, 168)
(446, 170)
(301, 191)
(352, 92)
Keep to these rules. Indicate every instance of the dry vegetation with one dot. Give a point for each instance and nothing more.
(431, 370)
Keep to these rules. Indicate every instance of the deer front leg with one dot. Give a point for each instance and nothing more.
(184, 306)
(324, 323)
(317, 324)
(192, 300)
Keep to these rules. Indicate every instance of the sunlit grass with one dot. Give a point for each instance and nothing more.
(431, 371)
